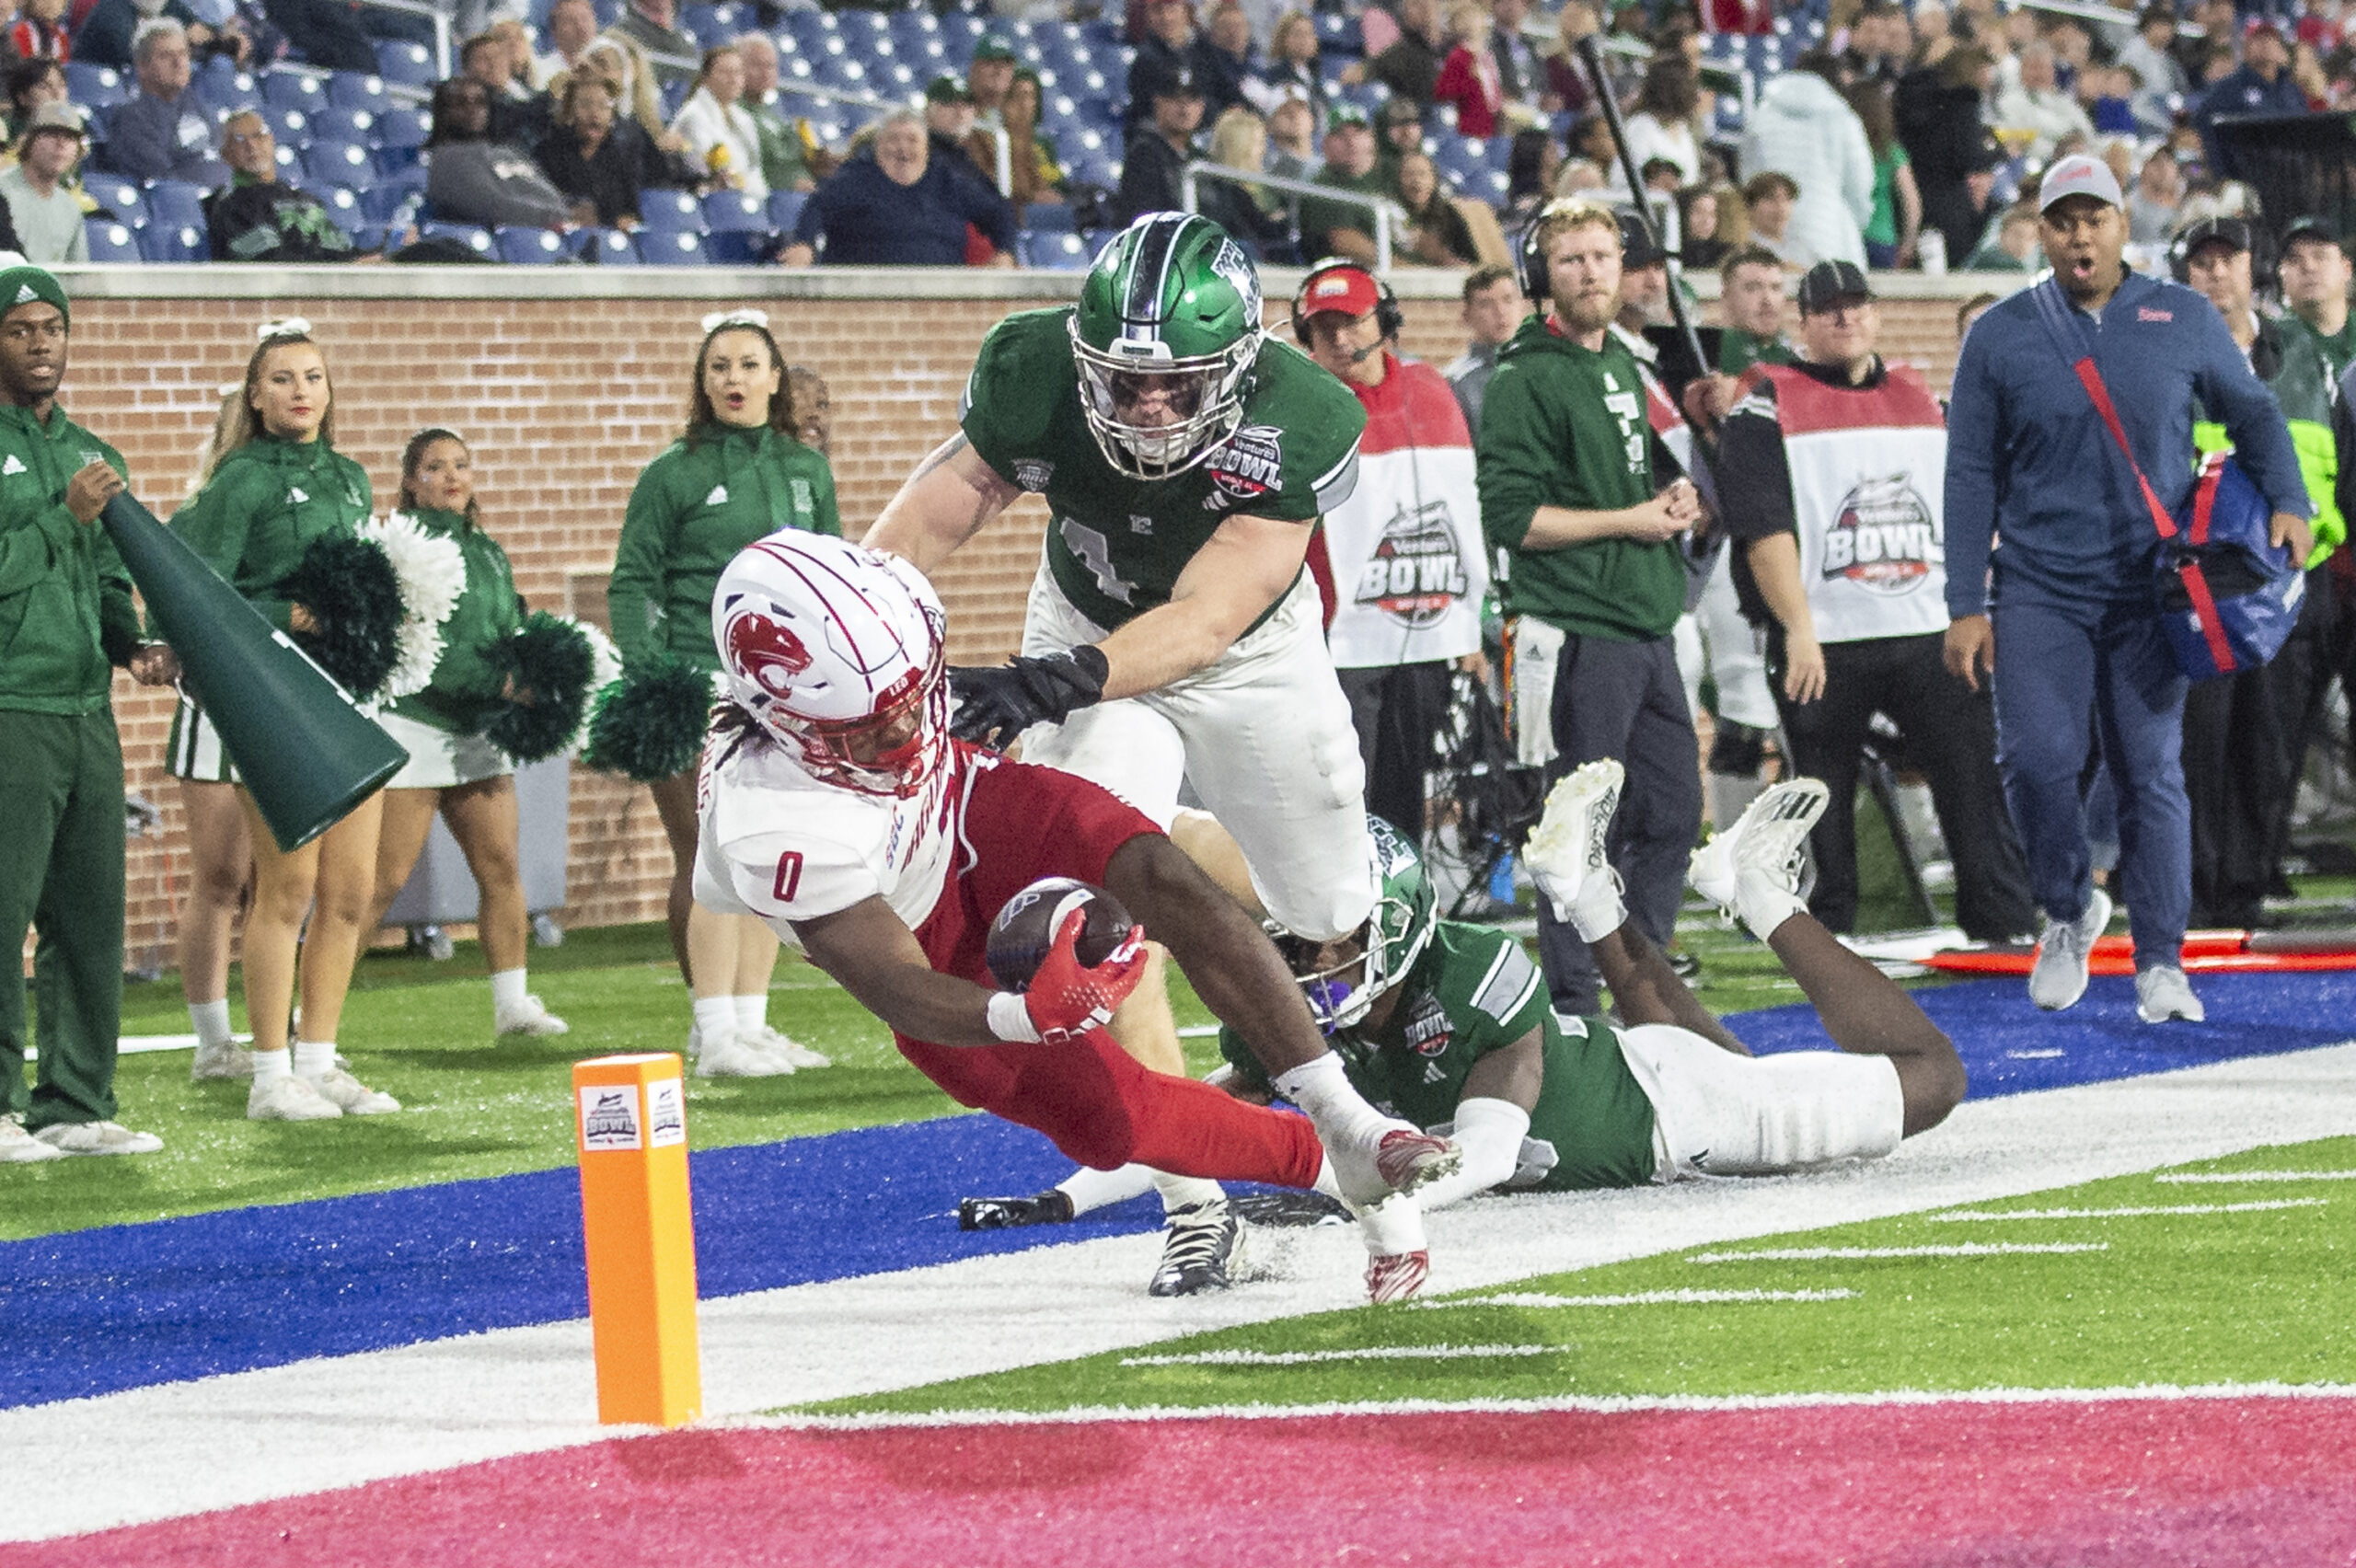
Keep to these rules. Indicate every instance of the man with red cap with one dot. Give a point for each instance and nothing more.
(1405, 570)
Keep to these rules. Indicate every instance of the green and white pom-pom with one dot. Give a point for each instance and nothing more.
(556, 663)
(432, 573)
(605, 666)
(649, 725)
(350, 588)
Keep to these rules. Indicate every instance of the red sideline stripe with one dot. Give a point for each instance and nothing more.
(1961, 963)
(2223, 1482)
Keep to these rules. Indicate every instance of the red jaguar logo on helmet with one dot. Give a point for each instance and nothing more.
(765, 652)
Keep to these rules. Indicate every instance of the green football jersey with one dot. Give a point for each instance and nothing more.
(1117, 545)
(1473, 991)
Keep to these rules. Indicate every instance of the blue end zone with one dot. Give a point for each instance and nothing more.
(96, 1311)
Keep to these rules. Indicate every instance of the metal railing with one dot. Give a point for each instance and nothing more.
(1386, 213)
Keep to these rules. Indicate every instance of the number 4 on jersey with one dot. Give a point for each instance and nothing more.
(1097, 556)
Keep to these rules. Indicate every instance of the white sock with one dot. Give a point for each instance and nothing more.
(314, 1058)
(1185, 1192)
(1323, 1093)
(1763, 902)
(1088, 1189)
(1327, 1183)
(1599, 910)
(506, 993)
(271, 1066)
(210, 1020)
(715, 1018)
(752, 1012)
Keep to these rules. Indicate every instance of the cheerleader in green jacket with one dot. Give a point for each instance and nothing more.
(276, 484)
(453, 767)
(736, 475)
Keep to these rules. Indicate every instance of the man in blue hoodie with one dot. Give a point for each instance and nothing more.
(2071, 603)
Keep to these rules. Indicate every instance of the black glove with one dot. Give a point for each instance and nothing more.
(997, 703)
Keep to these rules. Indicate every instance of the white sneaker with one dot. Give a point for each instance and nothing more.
(98, 1137)
(289, 1099)
(2059, 976)
(1566, 852)
(226, 1060)
(790, 1051)
(18, 1147)
(350, 1096)
(1752, 870)
(734, 1055)
(532, 1018)
(2161, 993)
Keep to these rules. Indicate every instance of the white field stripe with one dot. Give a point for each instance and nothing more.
(2136, 1212)
(2216, 1177)
(1640, 1298)
(211, 1443)
(1372, 1353)
(1959, 1249)
(1593, 1404)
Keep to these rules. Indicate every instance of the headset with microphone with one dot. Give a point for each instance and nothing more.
(1388, 317)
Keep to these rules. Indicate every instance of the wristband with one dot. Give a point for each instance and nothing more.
(1009, 1019)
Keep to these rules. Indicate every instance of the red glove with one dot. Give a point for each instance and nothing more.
(1066, 998)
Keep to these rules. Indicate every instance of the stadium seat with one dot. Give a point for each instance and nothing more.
(401, 127)
(1064, 252)
(740, 247)
(732, 212)
(382, 202)
(343, 206)
(94, 87)
(609, 247)
(177, 202)
(405, 64)
(119, 197)
(785, 209)
(291, 126)
(231, 91)
(670, 212)
(1047, 218)
(328, 164)
(473, 236)
(356, 90)
(110, 242)
(683, 247)
(529, 247)
(329, 122)
(161, 242)
(293, 89)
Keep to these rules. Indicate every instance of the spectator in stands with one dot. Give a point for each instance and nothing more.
(1494, 308)
(1940, 115)
(989, 78)
(1222, 60)
(1291, 66)
(1703, 223)
(325, 33)
(1168, 38)
(897, 209)
(1803, 129)
(165, 130)
(652, 27)
(784, 164)
(2010, 246)
(584, 159)
(519, 122)
(1154, 164)
(260, 217)
(2152, 204)
(61, 758)
(1532, 164)
(631, 81)
(2261, 86)
(36, 34)
(717, 132)
(949, 127)
(813, 408)
(1338, 228)
(1897, 202)
(1436, 233)
(570, 27)
(106, 35)
(1879, 43)
(2148, 54)
(2215, 26)
(1768, 200)
(1567, 90)
(1522, 74)
(523, 73)
(30, 85)
(1398, 131)
(1410, 67)
(2038, 104)
(1292, 136)
(1249, 213)
(1750, 300)
(1662, 125)
(470, 178)
(1030, 157)
(1468, 76)
(42, 209)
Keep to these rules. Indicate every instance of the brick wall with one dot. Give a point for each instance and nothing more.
(564, 399)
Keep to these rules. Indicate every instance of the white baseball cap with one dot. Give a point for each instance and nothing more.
(2079, 174)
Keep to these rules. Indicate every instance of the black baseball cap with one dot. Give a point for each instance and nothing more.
(2231, 233)
(2320, 230)
(1638, 247)
(1828, 284)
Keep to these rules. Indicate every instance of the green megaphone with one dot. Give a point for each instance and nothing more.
(304, 752)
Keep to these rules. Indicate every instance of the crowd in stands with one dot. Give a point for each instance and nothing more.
(644, 130)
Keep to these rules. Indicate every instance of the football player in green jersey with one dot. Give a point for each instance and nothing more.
(1172, 631)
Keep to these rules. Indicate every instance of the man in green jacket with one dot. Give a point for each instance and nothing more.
(66, 619)
(1579, 491)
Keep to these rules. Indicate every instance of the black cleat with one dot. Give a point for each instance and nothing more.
(1287, 1208)
(1050, 1207)
(1205, 1241)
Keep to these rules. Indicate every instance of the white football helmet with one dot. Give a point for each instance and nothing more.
(837, 651)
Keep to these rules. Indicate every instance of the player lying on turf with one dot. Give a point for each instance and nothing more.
(837, 807)
(1448, 1025)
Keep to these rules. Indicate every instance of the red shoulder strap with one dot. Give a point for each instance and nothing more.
(2091, 379)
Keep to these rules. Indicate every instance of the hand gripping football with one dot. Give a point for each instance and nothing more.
(1072, 950)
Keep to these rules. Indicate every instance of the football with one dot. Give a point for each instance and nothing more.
(1026, 927)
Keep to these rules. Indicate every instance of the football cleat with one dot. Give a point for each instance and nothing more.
(1050, 1207)
(1752, 870)
(1565, 851)
(1383, 1157)
(1394, 1277)
(1205, 1241)
(1284, 1208)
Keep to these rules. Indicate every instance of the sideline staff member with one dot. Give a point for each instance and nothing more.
(2073, 606)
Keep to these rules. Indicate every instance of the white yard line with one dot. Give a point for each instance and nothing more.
(2221, 1177)
(1538, 1300)
(242, 1438)
(2136, 1212)
(1373, 1353)
(1834, 1254)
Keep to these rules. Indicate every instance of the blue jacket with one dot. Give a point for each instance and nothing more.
(2028, 458)
(868, 221)
(2239, 92)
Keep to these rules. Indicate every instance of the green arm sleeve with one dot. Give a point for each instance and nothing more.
(1514, 461)
(215, 523)
(822, 485)
(118, 618)
(634, 592)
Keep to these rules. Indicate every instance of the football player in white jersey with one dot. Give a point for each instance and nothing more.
(837, 807)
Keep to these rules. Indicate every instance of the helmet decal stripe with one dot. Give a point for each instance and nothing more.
(801, 567)
(1150, 273)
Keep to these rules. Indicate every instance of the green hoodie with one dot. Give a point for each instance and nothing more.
(263, 507)
(694, 508)
(466, 680)
(65, 614)
(1566, 426)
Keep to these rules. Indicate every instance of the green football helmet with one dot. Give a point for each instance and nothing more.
(1164, 338)
(1406, 911)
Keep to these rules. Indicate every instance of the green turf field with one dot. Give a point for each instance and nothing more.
(2235, 1296)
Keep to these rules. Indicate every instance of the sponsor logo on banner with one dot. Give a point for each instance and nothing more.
(609, 1117)
(1251, 463)
(1428, 1027)
(1417, 572)
(1032, 473)
(667, 1113)
(1883, 537)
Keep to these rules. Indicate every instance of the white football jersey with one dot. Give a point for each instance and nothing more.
(777, 843)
